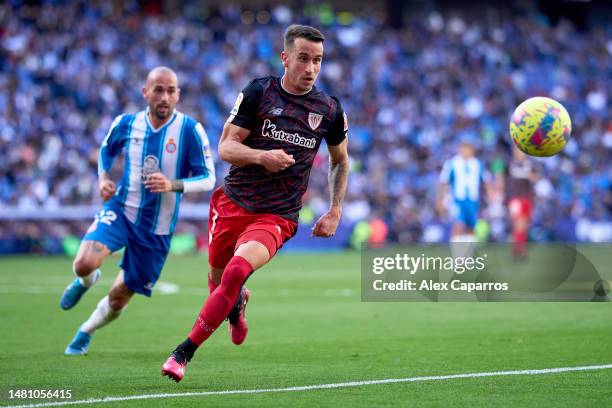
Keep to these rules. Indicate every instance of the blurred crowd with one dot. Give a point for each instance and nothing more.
(68, 68)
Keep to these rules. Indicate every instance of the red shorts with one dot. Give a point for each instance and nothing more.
(520, 207)
(230, 225)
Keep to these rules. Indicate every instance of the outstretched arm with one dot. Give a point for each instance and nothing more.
(338, 179)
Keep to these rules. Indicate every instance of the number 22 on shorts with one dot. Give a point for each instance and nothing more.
(105, 217)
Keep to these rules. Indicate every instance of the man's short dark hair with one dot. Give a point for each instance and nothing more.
(302, 31)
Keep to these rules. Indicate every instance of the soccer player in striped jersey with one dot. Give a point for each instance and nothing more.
(167, 153)
(464, 175)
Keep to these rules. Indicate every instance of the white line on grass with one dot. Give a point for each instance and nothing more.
(317, 386)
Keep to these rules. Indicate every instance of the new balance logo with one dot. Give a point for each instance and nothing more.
(276, 111)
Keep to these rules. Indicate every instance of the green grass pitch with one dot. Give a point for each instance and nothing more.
(307, 326)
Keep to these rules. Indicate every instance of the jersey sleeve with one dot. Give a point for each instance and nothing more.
(485, 175)
(111, 146)
(339, 128)
(244, 112)
(445, 174)
(200, 163)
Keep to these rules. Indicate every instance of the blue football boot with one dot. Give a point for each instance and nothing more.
(79, 344)
(74, 291)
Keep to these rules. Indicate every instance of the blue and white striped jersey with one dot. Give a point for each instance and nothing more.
(179, 149)
(464, 177)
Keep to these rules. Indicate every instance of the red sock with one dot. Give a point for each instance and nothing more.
(520, 243)
(211, 284)
(220, 302)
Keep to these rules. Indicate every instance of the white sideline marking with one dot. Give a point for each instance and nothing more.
(317, 386)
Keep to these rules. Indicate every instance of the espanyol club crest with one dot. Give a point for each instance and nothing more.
(314, 120)
(171, 146)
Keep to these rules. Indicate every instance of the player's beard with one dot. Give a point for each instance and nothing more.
(306, 83)
(162, 114)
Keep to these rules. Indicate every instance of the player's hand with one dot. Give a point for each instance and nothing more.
(275, 160)
(158, 183)
(441, 208)
(107, 189)
(326, 225)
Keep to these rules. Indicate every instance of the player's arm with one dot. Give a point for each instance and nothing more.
(200, 164)
(111, 146)
(489, 184)
(534, 174)
(441, 197)
(234, 151)
(443, 188)
(338, 180)
(337, 145)
(490, 190)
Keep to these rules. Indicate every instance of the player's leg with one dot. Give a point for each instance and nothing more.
(457, 231)
(222, 236)
(214, 278)
(107, 310)
(86, 268)
(520, 210)
(237, 323)
(462, 237)
(143, 260)
(256, 245)
(520, 236)
(248, 257)
(105, 235)
(225, 222)
(218, 305)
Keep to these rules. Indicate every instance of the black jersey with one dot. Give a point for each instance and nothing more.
(280, 120)
(519, 178)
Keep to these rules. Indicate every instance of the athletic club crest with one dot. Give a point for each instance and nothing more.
(171, 146)
(314, 120)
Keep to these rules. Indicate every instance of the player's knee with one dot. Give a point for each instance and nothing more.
(235, 274)
(84, 265)
(118, 302)
(215, 275)
(232, 278)
(119, 296)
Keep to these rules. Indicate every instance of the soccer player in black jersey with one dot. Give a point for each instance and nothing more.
(271, 139)
(521, 176)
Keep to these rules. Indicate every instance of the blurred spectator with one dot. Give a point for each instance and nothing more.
(67, 68)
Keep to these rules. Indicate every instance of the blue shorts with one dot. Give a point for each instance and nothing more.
(466, 212)
(145, 253)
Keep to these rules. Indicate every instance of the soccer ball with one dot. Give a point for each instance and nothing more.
(540, 126)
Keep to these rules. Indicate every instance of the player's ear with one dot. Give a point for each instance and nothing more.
(284, 58)
(144, 92)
